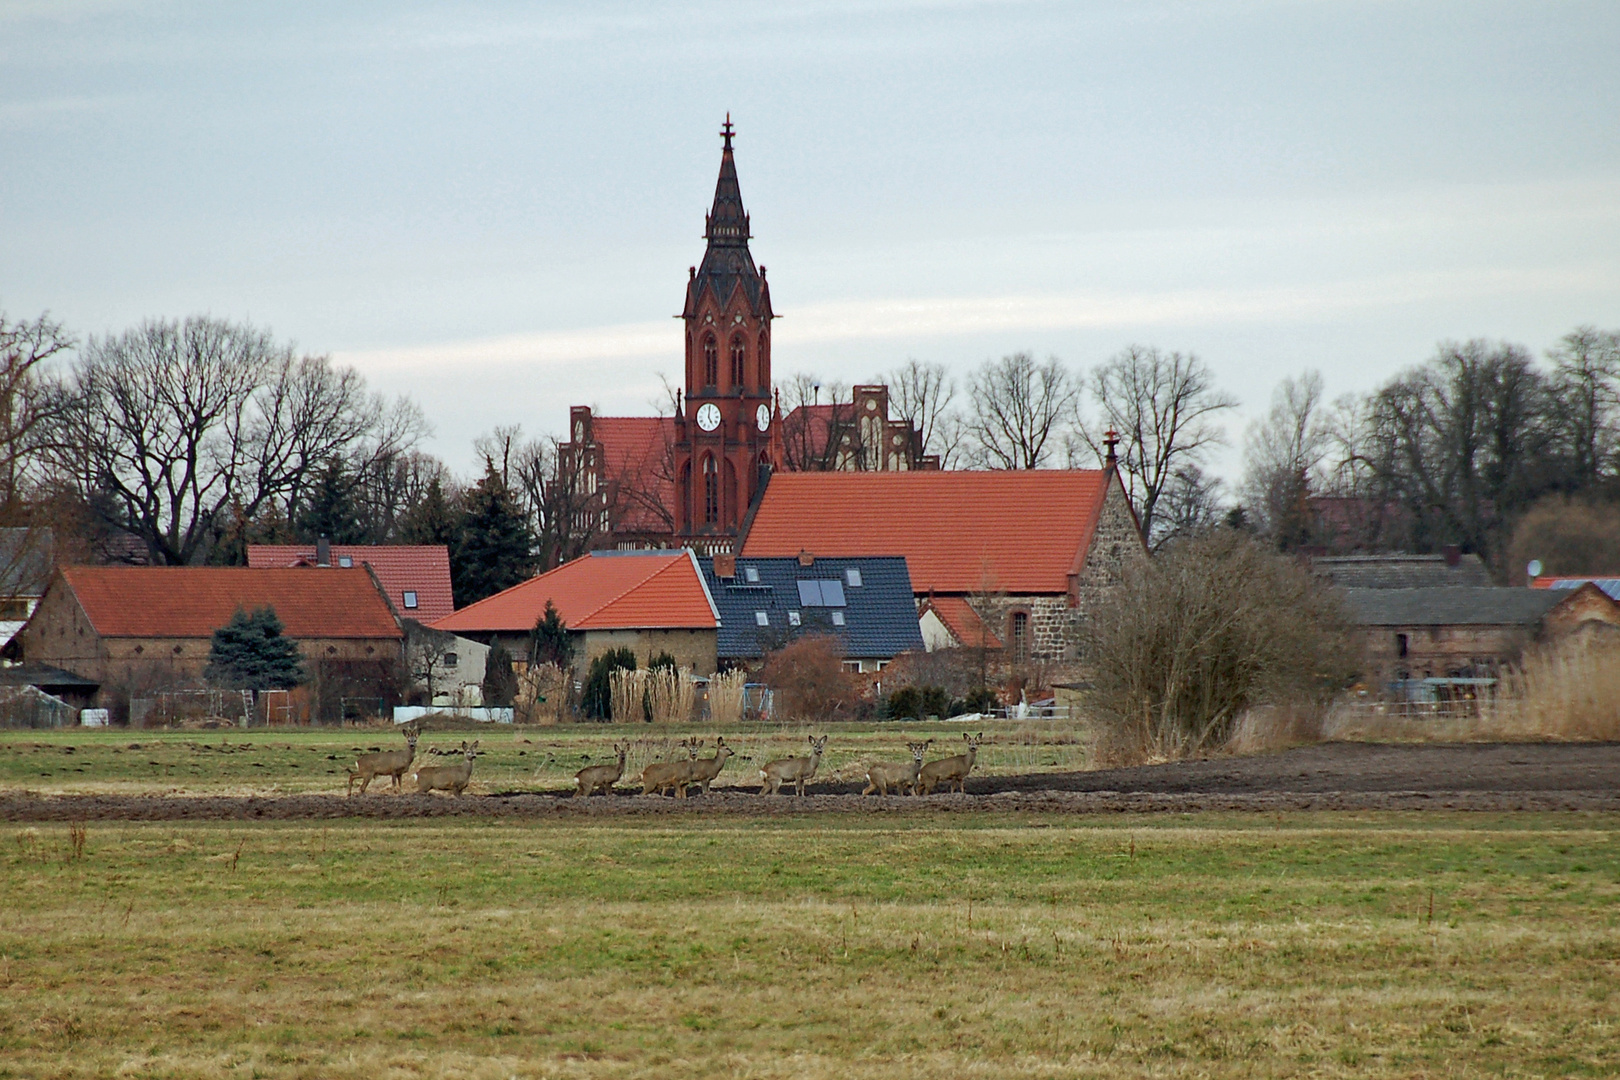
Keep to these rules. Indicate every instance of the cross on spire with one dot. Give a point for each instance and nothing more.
(726, 130)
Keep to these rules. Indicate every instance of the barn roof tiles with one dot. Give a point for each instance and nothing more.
(1401, 571)
(1016, 532)
(605, 590)
(421, 570)
(194, 601)
(1458, 606)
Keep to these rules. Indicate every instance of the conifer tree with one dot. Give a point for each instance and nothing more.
(500, 682)
(329, 508)
(493, 549)
(549, 642)
(249, 653)
(432, 519)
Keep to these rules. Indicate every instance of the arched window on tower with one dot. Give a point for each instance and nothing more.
(739, 356)
(762, 357)
(711, 361)
(711, 491)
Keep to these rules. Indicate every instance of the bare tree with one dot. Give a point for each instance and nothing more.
(921, 393)
(27, 409)
(1283, 458)
(1189, 505)
(171, 426)
(1017, 410)
(1165, 408)
(817, 436)
(1586, 400)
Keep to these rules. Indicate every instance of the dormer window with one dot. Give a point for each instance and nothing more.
(410, 598)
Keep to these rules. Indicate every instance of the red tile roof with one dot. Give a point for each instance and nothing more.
(961, 532)
(605, 590)
(194, 601)
(422, 568)
(962, 621)
(636, 456)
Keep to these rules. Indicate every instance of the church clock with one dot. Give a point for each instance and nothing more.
(708, 416)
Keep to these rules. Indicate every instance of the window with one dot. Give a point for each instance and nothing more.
(711, 361)
(1400, 644)
(13, 609)
(821, 593)
(838, 618)
(711, 492)
(853, 576)
(793, 618)
(449, 659)
(852, 665)
(761, 619)
(1020, 635)
(739, 354)
(410, 598)
(346, 561)
(751, 575)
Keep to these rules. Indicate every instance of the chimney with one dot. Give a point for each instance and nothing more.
(323, 552)
(1453, 555)
(1110, 457)
(725, 566)
(806, 559)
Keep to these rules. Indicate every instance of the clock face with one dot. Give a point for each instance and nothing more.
(708, 416)
(762, 417)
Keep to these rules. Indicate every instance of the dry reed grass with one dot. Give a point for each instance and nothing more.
(627, 694)
(726, 697)
(671, 695)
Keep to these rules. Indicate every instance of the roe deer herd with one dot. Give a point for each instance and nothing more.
(677, 777)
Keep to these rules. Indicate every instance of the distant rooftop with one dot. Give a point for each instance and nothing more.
(1401, 571)
(1451, 606)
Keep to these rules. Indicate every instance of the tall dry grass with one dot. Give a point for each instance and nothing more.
(627, 695)
(726, 697)
(671, 695)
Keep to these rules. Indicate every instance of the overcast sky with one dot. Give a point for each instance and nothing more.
(492, 207)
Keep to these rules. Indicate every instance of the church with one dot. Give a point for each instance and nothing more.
(691, 480)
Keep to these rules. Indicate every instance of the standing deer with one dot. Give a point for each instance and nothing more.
(903, 778)
(601, 777)
(662, 776)
(394, 763)
(451, 778)
(951, 770)
(795, 769)
(702, 771)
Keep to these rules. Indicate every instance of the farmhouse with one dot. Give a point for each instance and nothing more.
(136, 630)
(1027, 554)
(650, 602)
(865, 604)
(415, 577)
(1468, 632)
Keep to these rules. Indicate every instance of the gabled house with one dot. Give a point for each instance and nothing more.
(650, 602)
(864, 603)
(1028, 553)
(415, 577)
(137, 630)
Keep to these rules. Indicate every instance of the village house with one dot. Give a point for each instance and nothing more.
(650, 602)
(26, 561)
(1015, 558)
(414, 577)
(140, 630)
(864, 604)
(1440, 634)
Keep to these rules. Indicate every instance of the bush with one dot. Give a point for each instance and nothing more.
(500, 683)
(597, 700)
(809, 680)
(920, 702)
(1211, 628)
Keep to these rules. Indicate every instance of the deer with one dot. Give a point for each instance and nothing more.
(951, 770)
(795, 769)
(702, 771)
(903, 778)
(451, 778)
(662, 776)
(601, 777)
(394, 763)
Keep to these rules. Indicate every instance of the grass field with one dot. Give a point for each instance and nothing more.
(289, 760)
(974, 946)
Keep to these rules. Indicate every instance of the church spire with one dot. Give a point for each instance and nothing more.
(727, 224)
(727, 264)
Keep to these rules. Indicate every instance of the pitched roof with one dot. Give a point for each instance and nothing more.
(962, 621)
(1609, 585)
(605, 590)
(960, 532)
(1454, 606)
(636, 456)
(1401, 571)
(879, 615)
(420, 568)
(194, 601)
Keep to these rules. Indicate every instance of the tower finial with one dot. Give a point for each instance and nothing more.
(726, 130)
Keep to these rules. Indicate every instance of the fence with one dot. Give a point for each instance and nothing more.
(31, 707)
(206, 707)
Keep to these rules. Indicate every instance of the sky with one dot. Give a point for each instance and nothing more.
(491, 207)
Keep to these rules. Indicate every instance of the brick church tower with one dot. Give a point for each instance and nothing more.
(724, 425)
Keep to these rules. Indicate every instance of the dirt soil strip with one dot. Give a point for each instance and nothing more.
(1340, 776)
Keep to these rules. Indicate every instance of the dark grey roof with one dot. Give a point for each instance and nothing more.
(1461, 606)
(1400, 571)
(880, 614)
(25, 561)
(43, 675)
